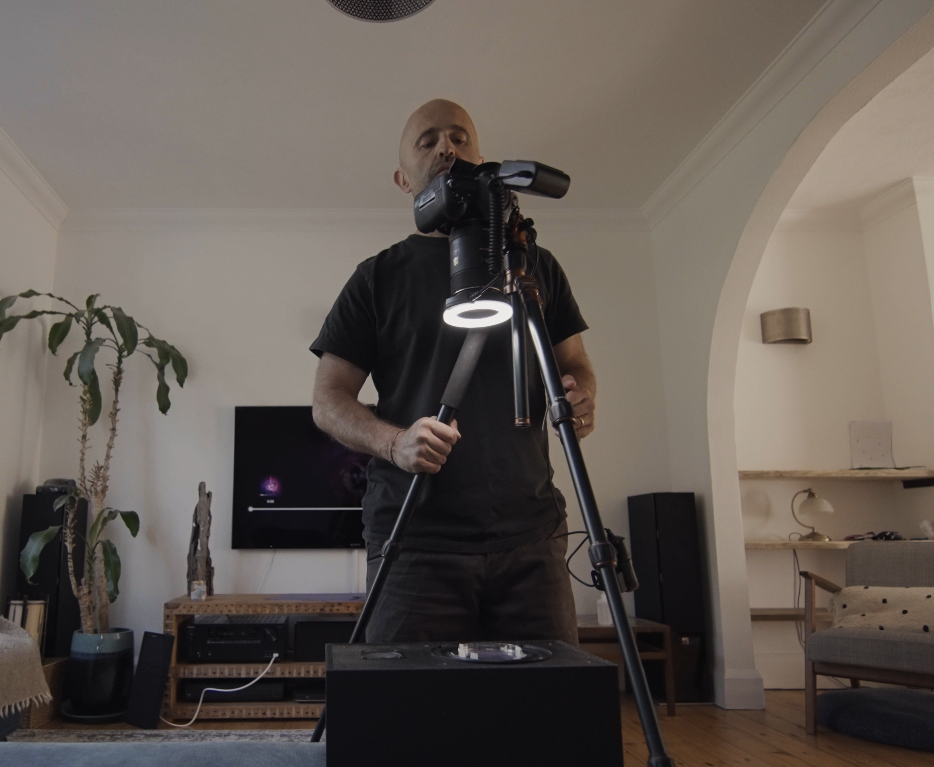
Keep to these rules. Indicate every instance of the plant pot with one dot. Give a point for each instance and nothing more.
(100, 671)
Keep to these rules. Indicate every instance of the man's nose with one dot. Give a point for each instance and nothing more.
(445, 149)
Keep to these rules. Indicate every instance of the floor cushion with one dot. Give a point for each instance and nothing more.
(898, 717)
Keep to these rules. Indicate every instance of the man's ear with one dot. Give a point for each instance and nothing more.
(401, 181)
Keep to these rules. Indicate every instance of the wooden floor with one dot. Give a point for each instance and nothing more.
(707, 736)
(703, 736)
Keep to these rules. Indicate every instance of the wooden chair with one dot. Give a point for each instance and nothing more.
(862, 654)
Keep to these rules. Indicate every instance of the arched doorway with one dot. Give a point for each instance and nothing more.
(799, 159)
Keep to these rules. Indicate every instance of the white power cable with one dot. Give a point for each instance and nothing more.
(220, 689)
(262, 586)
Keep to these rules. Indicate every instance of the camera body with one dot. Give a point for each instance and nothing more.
(463, 193)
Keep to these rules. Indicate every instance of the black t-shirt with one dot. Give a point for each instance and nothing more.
(495, 490)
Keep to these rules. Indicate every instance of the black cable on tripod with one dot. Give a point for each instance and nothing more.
(497, 235)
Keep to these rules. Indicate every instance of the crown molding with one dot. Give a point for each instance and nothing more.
(30, 182)
(321, 220)
(903, 195)
(588, 219)
(830, 25)
(236, 220)
(887, 204)
(819, 220)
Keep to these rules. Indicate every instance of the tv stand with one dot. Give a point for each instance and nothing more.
(177, 611)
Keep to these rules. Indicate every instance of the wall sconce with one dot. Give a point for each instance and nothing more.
(786, 326)
(810, 505)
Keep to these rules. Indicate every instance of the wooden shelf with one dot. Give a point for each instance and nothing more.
(285, 709)
(288, 669)
(788, 614)
(800, 545)
(178, 611)
(267, 604)
(911, 477)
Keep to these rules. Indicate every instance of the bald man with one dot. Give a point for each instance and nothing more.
(483, 557)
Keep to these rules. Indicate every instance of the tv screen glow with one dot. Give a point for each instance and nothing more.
(294, 486)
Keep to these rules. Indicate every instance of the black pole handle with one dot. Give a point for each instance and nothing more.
(453, 395)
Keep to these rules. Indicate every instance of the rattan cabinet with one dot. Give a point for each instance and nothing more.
(179, 610)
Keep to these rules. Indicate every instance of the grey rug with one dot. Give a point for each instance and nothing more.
(159, 736)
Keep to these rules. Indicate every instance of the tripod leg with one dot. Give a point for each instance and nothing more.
(450, 401)
(602, 552)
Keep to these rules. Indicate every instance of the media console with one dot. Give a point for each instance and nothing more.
(178, 612)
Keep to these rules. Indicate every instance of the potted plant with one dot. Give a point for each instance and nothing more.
(101, 664)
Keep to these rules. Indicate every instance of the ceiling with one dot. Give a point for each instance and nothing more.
(887, 141)
(292, 104)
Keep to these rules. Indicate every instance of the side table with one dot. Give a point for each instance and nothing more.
(601, 641)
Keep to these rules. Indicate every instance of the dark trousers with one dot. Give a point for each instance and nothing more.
(437, 596)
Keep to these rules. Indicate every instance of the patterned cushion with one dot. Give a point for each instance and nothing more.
(882, 608)
(895, 650)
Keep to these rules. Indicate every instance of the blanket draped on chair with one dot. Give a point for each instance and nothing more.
(22, 682)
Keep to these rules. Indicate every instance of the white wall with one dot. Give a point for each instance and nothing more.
(702, 296)
(793, 405)
(899, 243)
(27, 260)
(794, 402)
(901, 297)
(243, 301)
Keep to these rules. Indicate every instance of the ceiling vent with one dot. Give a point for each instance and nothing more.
(380, 10)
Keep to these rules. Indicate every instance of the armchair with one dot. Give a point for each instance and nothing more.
(893, 657)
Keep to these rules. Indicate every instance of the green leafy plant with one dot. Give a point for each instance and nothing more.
(119, 334)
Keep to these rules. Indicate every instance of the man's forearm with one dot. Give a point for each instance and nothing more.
(352, 423)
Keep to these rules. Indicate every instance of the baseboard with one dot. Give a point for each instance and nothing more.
(785, 671)
(740, 689)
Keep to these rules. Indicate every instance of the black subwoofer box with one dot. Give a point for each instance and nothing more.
(421, 709)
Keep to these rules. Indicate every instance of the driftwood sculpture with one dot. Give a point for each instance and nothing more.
(199, 555)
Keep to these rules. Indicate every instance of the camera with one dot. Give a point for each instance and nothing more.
(469, 203)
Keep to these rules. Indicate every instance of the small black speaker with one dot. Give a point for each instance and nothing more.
(51, 579)
(152, 671)
(412, 705)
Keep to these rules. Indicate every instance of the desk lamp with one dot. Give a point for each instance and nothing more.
(812, 504)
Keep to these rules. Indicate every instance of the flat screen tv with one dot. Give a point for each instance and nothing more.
(294, 486)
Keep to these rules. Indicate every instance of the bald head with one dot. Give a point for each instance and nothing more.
(434, 135)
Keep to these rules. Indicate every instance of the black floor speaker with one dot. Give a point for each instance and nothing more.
(152, 671)
(51, 579)
(665, 543)
(412, 705)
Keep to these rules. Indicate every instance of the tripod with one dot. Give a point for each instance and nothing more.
(528, 318)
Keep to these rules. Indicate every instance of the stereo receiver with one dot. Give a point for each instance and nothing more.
(235, 638)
